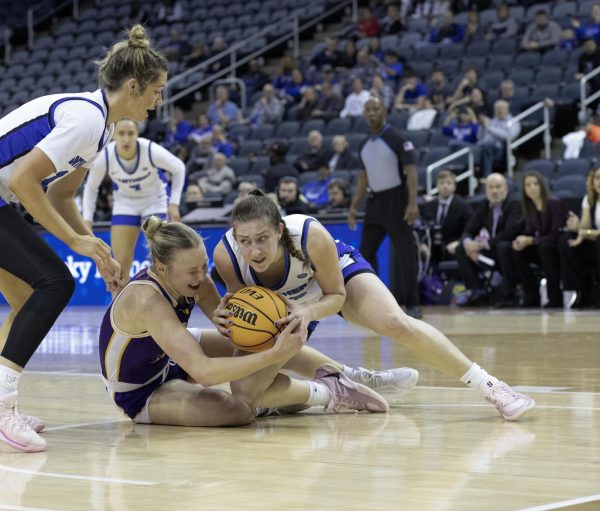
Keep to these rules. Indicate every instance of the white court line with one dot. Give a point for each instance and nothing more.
(24, 508)
(482, 405)
(64, 373)
(516, 387)
(6, 468)
(83, 424)
(563, 503)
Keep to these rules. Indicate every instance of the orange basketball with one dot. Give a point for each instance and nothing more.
(255, 309)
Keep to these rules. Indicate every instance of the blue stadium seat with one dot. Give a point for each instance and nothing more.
(287, 129)
(527, 60)
(545, 167)
(398, 120)
(576, 167)
(500, 62)
(505, 46)
(569, 186)
(360, 125)
(450, 67)
(426, 54)
(260, 164)
(554, 57)
(522, 77)
(452, 51)
(239, 165)
(478, 49)
(248, 147)
(338, 126)
(549, 75)
(262, 132)
(298, 145)
(491, 80)
(315, 124)
(565, 9)
(433, 154)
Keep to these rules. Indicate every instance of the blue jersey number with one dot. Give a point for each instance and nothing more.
(137, 188)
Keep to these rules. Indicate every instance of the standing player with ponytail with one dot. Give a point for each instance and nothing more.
(297, 257)
(46, 145)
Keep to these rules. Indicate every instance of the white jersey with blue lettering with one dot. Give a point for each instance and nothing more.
(298, 282)
(137, 179)
(71, 129)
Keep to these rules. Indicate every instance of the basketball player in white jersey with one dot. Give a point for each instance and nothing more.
(48, 144)
(298, 258)
(135, 165)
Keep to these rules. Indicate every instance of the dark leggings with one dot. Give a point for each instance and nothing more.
(24, 254)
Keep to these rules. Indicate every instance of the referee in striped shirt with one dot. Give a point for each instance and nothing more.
(389, 172)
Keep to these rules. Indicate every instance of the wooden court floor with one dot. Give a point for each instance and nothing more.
(441, 448)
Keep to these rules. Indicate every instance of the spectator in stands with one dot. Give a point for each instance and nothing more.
(447, 216)
(328, 75)
(568, 41)
(466, 85)
(375, 49)
(423, 115)
(267, 109)
(448, 32)
(315, 156)
(474, 31)
(169, 11)
(365, 67)
(284, 72)
(592, 130)
(461, 125)
(438, 88)
(329, 55)
(293, 89)
(203, 129)
(315, 191)
(342, 158)
(410, 92)
(426, 8)
(178, 131)
(193, 195)
(507, 90)
(308, 104)
(223, 111)
(495, 223)
(279, 167)
(348, 57)
(368, 26)
(243, 189)
(288, 196)
(355, 101)
(219, 178)
(196, 56)
(201, 155)
(588, 61)
(218, 46)
(538, 242)
(496, 134)
(392, 22)
(338, 196)
(580, 247)
(383, 90)
(330, 104)
(589, 28)
(391, 69)
(504, 27)
(177, 48)
(543, 34)
(220, 143)
(254, 78)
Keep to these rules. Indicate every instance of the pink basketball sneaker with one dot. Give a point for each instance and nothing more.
(509, 403)
(14, 431)
(348, 395)
(34, 423)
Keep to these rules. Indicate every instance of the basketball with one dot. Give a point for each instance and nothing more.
(255, 310)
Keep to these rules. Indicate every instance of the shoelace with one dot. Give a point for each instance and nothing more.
(21, 423)
(381, 378)
(505, 395)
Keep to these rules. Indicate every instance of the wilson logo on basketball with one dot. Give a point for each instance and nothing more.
(251, 292)
(243, 314)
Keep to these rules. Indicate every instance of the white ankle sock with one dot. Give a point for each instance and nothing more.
(9, 379)
(348, 371)
(318, 394)
(478, 378)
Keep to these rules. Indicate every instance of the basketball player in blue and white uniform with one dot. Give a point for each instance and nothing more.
(135, 166)
(298, 258)
(156, 370)
(46, 146)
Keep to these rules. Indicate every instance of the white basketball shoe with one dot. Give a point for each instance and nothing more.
(14, 430)
(400, 380)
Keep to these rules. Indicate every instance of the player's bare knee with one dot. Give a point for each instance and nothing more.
(400, 326)
(233, 411)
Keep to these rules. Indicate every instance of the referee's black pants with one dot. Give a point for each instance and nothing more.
(384, 215)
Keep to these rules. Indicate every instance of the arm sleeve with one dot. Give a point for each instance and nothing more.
(167, 161)
(90, 190)
(405, 150)
(78, 128)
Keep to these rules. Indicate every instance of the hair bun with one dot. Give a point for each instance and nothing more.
(138, 38)
(151, 226)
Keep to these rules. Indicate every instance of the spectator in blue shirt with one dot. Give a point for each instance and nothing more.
(590, 28)
(316, 191)
(177, 131)
(448, 32)
(223, 111)
(461, 125)
(220, 143)
(391, 69)
(410, 92)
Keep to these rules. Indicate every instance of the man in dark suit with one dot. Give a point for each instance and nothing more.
(496, 221)
(447, 216)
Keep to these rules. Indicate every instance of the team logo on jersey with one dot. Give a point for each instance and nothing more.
(76, 162)
(302, 276)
